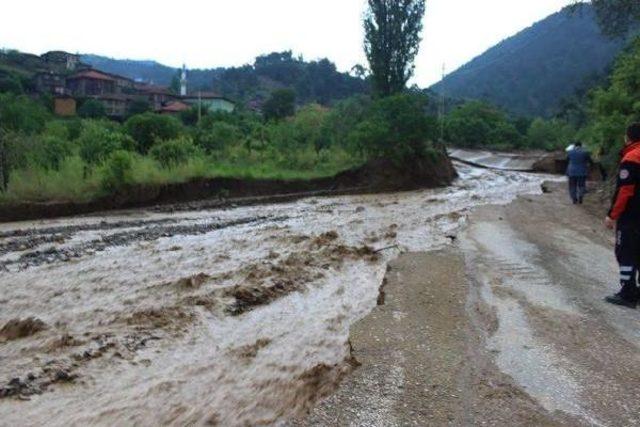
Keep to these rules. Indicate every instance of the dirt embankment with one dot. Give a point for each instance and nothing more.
(376, 176)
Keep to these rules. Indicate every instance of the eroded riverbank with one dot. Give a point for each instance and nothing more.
(236, 316)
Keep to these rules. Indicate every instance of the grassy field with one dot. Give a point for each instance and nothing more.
(70, 183)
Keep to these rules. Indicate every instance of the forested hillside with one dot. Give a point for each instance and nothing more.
(313, 81)
(533, 71)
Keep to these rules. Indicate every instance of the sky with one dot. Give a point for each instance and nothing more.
(214, 33)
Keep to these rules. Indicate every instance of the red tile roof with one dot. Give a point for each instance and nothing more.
(175, 107)
(203, 95)
(91, 74)
(153, 89)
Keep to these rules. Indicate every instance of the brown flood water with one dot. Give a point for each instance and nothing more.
(229, 317)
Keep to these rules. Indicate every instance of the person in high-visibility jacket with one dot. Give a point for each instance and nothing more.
(624, 216)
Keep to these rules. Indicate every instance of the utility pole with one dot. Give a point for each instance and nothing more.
(199, 106)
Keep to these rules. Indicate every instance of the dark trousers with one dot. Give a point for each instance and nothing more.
(577, 188)
(628, 255)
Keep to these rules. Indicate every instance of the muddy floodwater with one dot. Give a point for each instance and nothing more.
(230, 317)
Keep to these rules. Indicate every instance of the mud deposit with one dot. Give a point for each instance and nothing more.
(221, 317)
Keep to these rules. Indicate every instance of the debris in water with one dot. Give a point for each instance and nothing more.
(16, 329)
(193, 281)
(251, 351)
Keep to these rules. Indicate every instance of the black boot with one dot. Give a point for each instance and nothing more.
(622, 300)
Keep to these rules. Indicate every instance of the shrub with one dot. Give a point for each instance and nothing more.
(308, 124)
(281, 104)
(396, 127)
(10, 83)
(549, 134)
(476, 124)
(117, 170)
(51, 151)
(74, 128)
(190, 117)
(97, 142)
(343, 118)
(139, 106)
(21, 114)
(174, 152)
(92, 109)
(57, 128)
(217, 136)
(148, 128)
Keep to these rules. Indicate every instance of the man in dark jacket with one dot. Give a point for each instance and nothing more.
(625, 217)
(577, 171)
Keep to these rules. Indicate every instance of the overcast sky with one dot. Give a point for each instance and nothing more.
(212, 33)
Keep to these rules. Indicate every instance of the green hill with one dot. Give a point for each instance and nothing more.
(532, 72)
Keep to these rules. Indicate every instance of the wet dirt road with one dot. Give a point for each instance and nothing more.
(505, 327)
(230, 317)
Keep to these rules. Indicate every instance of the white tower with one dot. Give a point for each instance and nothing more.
(183, 81)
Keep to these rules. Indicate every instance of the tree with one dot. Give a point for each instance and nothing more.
(21, 114)
(392, 40)
(97, 142)
(396, 128)
(10, 83)
(611, 109)
(139, 106)
(217, 136)
(549, 134)
(14, 147)
(615, 17)
(92, 109)
(117, 171)
(477, 125)
(281, 104)
(148, 128)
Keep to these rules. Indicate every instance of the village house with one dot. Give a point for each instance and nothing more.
(64, 106)
(174, 107)
(69, 80)
(123, 84)
(50, 82)
(91, 83)
(116, 105)
(157, 96)
(61, 60)
(209, 101)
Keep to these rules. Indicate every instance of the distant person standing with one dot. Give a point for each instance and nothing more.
(577, 171)
(625, 217)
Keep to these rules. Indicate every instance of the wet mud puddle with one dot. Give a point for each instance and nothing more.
(227, 317)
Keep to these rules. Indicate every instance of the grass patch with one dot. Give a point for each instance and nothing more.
(75, 182)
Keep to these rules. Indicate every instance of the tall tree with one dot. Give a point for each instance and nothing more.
(280, 105)
(392, 40)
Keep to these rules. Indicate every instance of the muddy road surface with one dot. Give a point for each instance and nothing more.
(226, 317)
(505, 327)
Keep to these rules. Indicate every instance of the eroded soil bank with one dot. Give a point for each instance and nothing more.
(506, 326)
(230, 317)
(375, 177)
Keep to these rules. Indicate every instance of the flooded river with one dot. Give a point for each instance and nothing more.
(230, 317)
